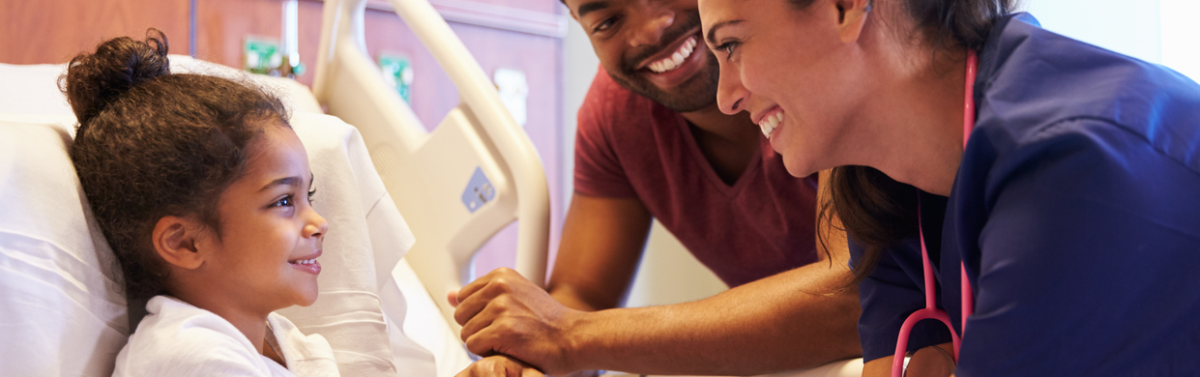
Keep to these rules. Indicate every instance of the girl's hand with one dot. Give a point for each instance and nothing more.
(499, 366)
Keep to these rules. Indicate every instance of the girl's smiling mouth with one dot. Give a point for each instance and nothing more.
(307, 263)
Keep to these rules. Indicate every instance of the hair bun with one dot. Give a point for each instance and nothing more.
(93, 81)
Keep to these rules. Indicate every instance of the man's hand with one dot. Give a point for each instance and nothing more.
(503, 313)
(499, 366)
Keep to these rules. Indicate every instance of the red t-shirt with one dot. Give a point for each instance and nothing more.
(630, 146)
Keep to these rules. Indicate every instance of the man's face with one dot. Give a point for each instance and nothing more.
(653, 48)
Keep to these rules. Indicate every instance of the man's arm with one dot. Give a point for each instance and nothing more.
(800, 318)
(601, 246)
(785, 321)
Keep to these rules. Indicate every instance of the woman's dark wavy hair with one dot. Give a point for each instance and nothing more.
(877, 211)
(152, 144)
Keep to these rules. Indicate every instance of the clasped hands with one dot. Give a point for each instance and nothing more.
(515, 325)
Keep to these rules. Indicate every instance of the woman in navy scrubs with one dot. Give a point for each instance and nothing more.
(1071, 214)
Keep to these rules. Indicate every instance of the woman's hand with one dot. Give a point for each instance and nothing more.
(932, 361)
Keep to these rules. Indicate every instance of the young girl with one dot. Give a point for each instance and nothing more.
(202, 189)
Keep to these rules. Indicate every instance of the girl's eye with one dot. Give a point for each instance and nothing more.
(729, 48)
(311, 194)
(604, 25)
(284, 202)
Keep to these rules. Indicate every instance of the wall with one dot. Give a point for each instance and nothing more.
(1131, 27)
(1157, 31)
(1181, 36)
(52, 31)
(579, 64)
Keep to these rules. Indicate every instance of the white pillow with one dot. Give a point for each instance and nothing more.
(61, 314)
(33, 89)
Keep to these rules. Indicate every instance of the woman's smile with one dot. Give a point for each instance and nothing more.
(770, 121)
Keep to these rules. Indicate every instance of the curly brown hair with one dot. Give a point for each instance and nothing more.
(152, 144)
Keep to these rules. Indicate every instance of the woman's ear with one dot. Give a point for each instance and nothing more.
(852, 16)
(175, 239)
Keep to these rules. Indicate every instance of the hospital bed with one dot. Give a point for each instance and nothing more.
(60, 310)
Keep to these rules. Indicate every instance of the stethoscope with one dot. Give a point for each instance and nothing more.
(931, 310)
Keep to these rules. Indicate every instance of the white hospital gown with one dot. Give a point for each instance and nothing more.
(178, 339)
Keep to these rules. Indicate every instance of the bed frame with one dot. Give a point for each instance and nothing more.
(458, 185)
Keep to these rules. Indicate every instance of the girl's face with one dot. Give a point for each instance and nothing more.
(270, 236)
(792, 70)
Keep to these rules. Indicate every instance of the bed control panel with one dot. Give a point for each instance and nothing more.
(479, 191)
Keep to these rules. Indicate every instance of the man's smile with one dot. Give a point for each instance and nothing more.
(676, 64)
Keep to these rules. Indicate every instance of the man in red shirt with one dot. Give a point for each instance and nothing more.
(652, 144)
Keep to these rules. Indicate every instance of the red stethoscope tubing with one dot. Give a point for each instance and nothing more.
(931, 310)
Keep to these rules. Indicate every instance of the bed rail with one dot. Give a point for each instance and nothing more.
(457, 185)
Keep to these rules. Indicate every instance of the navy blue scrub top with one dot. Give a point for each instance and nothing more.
(1077, 212)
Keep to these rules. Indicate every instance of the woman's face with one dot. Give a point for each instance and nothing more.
(265, 256)
(792, 70)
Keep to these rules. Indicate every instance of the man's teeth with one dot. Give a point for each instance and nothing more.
(676, 59)
(304, 261)
(768, 123)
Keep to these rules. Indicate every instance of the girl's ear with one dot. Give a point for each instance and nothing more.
(175, 239)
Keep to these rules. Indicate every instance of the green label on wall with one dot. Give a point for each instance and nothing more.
(260, 55)
(398, 72)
